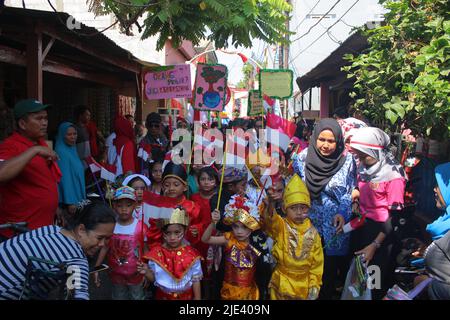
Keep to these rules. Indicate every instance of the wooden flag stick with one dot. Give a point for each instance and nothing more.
(223, 174)
(253, 177)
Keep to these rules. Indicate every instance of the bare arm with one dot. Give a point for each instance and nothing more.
(207, 238)
(197, 290)
(100, 259)
(101, 255)
(11, 168)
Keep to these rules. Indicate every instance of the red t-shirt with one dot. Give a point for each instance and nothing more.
(32, 196)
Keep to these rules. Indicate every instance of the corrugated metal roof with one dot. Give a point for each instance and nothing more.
(89, 35)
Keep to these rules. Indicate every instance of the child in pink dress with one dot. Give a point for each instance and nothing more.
(125, 249)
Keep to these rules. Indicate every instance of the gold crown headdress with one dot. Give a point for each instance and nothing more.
(178, 216)
(240, 209)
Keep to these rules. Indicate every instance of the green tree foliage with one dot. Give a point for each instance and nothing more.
(247, 71)
(195, 20)
(403, 78)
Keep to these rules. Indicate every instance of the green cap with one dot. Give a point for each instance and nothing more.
(28, 106)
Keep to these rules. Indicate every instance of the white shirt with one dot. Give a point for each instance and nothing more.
(167, 283)
(126, 230)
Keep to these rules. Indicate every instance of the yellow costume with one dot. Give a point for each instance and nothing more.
(297, 249)
(240, 256)
(240, 266)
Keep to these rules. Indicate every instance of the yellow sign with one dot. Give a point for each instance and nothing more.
(276, 83)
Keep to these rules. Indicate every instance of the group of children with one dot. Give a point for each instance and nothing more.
(179, 255)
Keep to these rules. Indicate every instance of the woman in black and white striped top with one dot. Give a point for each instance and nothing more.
(89, 231)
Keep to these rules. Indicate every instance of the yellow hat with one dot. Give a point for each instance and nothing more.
(296, 193)
(178, 216)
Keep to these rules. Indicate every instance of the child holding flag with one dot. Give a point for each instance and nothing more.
(297, 249)
(124, 249)
(173, 266)
(174, 185)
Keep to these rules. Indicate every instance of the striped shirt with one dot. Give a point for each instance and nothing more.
(45, 243)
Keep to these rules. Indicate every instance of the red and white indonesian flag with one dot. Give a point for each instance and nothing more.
(167, 159)
(354, 224)
(156, 206)
(279, 131)
(235, 150)
(210, 139)
(144, 152)
(95, 167)
(267, 179)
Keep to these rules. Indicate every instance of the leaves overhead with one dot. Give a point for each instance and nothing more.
(196, 20)
(404, 75)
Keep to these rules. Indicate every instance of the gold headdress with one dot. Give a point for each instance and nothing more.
(178, 216)
(240, 209)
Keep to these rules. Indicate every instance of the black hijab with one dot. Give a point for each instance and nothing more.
(320, 169)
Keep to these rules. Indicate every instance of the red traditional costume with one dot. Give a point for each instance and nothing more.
(175, 269)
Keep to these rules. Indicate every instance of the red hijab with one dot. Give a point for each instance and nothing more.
(124, 134)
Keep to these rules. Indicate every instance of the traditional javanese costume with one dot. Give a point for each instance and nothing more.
(240, 256)
(297, 249)
(175, 270)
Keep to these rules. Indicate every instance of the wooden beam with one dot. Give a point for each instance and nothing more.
(61, 69)
(82, 46)
(16, 57)
(47, 48)
(34, 66)
(324, 100)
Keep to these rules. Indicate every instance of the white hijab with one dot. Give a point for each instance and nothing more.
(374, 142)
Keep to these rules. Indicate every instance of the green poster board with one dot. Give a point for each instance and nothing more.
(276, 83)
(255, 104)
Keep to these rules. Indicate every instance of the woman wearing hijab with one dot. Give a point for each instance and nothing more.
(381, 182)
(437, 255)
(125, 146)
(330, 175)
(72, 185)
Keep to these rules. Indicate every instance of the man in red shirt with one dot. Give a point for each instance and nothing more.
(28, 171)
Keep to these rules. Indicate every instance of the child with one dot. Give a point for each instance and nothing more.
(240, 256)
(297, 248)
(139, 183)
(234, 182)
(174, 267)
(208, 181)
(124, 248)
(174, 184)
(156, 177)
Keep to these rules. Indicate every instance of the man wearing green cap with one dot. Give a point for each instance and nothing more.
(28, 171)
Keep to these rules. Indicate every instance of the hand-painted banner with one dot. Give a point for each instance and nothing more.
(210, 87)
(168, 82)
(276, 83)
(255, 104)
